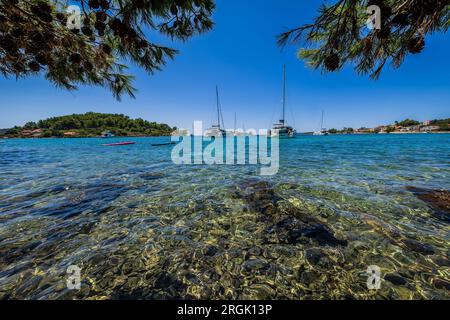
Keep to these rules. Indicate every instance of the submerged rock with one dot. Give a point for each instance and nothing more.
(256, 266)
(441, 284)
(152, 176)
(78, 199)
(210, 251)
(317, 258)
(292, 230)
(395, 279)
(396, 237)
(287, 223)
(442, 262)
(414, 245)
(307, 277)
(438, 200)
(259, 195)
(170, 284)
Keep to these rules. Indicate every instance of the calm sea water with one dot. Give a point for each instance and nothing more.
(139, 226)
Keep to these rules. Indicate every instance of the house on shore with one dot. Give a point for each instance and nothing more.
(70, 134)
(36, 133)
(430, 128)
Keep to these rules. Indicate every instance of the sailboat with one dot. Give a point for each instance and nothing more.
(236, 132)
(322, 131)
(280, 129)
(217, 129)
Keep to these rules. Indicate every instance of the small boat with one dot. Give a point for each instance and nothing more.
(322, 131)
(280, 129)
(216, 130)
(107, 134)
(118, 144)
(163, 144)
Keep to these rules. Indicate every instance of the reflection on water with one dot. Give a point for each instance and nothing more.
(140, 227)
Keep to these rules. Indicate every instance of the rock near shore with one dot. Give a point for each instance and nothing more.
(438, 200)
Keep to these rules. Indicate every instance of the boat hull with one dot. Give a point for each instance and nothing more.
(119, 144)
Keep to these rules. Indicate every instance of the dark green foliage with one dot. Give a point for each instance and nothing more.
(408, 123)
(34, 38)
(93, 124)
(333, 131)
(340, 28)
(443, 124)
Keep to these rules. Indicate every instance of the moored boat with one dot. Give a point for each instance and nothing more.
(280, 129)
(322, 131)
(118, 144)
(217, 130)
(107, 134)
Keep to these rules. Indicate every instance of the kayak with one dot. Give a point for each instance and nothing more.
(118, 144)
(163, 144)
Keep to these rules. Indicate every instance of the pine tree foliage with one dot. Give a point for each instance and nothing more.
(35, 38)
(339, 34)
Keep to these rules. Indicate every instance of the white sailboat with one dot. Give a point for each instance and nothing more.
(217, 130)
(322, 131)
(236, 132)
(280, 129)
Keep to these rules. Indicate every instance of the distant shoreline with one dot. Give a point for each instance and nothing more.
(162, 136)
(81, 137)
(376, 134)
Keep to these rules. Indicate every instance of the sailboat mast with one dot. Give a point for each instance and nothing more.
(217, 105)
(321, 122)
(284, 94)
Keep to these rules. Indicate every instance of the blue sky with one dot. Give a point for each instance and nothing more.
(240, 55)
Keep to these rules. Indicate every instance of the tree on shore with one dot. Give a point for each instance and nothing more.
(408, 123)
(35, 37)
(339, 34)
(93, 124)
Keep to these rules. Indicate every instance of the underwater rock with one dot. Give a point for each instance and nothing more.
(259, 292)
(438, 200)
(414, 245)
(395, 279)
(256, 266)
(165, 280)
(210, 251)
(441, 284)
(213, 275)
(259, 195)
(29, 286)
(96, 197)
(292, 230)
(86, 228)
(442, 262)
(254, 252)
(307, 277)
(317, 258)
(288, 224)
(396, 237)
(152, 176)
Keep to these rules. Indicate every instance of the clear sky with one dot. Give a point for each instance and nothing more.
(240, 55)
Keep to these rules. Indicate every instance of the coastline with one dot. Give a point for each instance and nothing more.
(374, 134)
(82, 137)
(169, 135)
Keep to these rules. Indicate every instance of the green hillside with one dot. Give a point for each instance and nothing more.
(89, 125)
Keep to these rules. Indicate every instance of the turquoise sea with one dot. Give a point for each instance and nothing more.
(141, 227)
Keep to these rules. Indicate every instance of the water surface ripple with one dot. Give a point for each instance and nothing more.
(140, 227)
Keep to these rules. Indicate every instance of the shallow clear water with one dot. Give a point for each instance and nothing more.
(139, 226)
